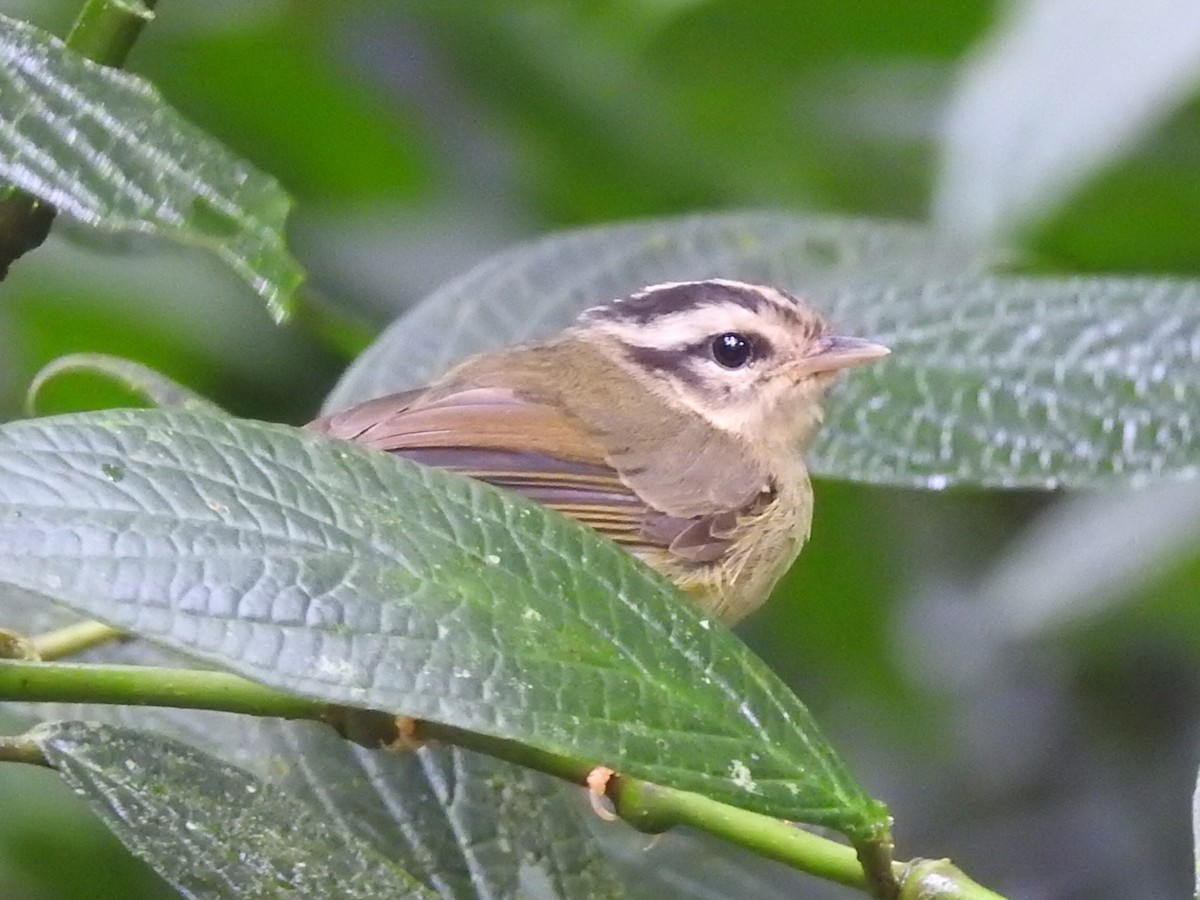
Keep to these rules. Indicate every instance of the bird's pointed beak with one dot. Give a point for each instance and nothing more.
(836, 352)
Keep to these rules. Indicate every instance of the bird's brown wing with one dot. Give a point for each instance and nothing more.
(536, 449)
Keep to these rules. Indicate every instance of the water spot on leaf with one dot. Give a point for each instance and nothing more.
(112, 471)
(739, 773)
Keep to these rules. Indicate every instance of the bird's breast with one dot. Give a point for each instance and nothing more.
(763, 547)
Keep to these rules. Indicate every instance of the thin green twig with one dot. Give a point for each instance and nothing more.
(71, 639)
(21, 748)
(106, 30)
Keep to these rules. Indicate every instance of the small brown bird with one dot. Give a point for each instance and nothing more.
(671, 421)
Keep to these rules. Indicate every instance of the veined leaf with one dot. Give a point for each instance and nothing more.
(363, 579)
(468, 825)
(1022, 382)
(210, 829)
(106, 150)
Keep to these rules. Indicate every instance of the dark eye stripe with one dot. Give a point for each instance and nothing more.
(680, 362)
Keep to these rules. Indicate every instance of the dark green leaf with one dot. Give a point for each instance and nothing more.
(210, 829)
(360, 578)
(105, 149)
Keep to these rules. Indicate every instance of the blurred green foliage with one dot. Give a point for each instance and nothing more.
(418, 136)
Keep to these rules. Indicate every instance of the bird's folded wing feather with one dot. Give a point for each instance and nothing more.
(536, 449)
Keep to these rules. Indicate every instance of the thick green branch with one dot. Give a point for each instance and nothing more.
(653, 807)
(646, 806)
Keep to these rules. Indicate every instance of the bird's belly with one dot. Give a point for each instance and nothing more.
(763, 549)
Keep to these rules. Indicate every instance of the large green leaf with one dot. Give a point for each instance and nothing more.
(1022, 382)
(361, 578)
(210, 829)
(1007, 382)
(106, 150)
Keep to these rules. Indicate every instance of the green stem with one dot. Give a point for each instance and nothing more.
(23, 749)
(646, 806)
(344, 333)
(106, 30)
(655, 808)
(71, 639)
(149, 686)
(565, 767)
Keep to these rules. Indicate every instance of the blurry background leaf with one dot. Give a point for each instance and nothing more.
(103, 147)
(210, 829)
(1196, 834)
(1060, 90)
(63, 300)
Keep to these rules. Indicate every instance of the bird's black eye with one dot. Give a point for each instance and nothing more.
(732, 350)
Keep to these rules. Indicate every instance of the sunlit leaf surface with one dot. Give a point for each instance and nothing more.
(106, 150)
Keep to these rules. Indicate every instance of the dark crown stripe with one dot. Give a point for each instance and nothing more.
(642, 308)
